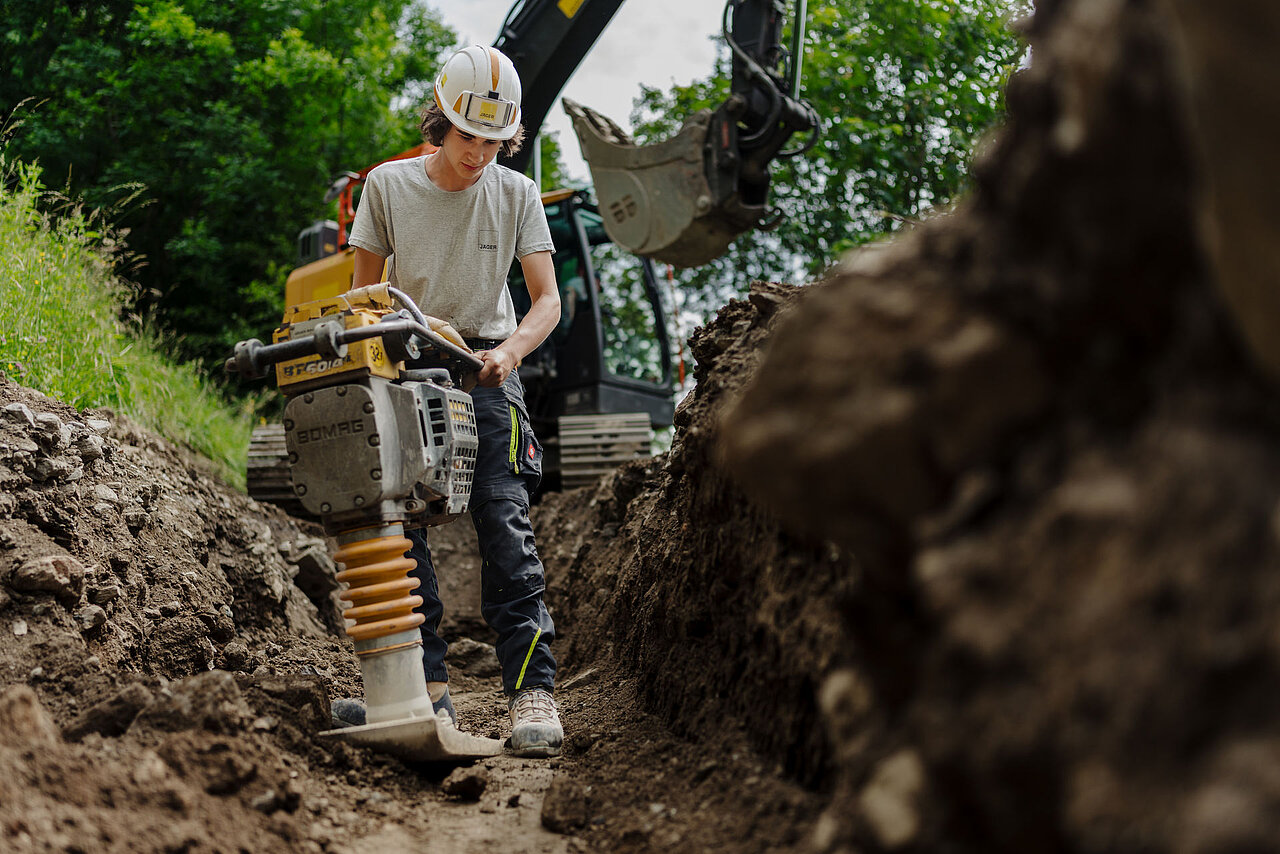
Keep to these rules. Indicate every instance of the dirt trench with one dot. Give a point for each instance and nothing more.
(971, 547)
(169, 648)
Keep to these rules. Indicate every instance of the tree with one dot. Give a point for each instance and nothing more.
(904, 89)
(232, 118)
(550, 160)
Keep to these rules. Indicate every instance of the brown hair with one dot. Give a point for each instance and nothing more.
(435, 124)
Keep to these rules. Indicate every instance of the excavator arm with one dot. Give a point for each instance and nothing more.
(683, 200)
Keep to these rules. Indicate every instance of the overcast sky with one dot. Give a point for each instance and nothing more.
(655, 42)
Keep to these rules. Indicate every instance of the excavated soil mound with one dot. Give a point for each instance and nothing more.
(727, 618)
(980, 535)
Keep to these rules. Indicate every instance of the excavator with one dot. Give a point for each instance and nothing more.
(603, 381)
(379, 432)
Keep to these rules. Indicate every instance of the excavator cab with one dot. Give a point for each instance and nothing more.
(600, 383)
(610, 355)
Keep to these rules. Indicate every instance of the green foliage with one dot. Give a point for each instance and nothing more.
(233, 116)
(60, 309)
(629, 325)
(904, 89)
(552, 163)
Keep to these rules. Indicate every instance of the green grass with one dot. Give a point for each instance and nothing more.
(61, 331)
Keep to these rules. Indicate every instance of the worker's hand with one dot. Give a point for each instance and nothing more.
(498, 365)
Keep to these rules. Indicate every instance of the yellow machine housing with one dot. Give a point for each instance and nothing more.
(328, 277)
(364, 358)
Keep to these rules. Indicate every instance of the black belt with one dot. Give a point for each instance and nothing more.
(482, 343)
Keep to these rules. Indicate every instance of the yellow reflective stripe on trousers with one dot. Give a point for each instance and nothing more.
(528, 655)
(511, 451)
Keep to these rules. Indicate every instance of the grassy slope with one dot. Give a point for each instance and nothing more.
(61, 332)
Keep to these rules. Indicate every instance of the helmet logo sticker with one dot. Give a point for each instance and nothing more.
(489, 110)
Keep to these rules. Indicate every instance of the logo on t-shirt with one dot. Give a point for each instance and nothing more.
(488, 240)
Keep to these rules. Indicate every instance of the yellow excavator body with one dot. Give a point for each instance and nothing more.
(328, 277)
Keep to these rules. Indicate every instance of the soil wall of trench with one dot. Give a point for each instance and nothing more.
(979, 535)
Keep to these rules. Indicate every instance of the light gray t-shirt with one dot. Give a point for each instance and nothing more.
(452, 250)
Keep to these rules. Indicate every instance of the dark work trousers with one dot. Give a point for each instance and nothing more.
(508, 468)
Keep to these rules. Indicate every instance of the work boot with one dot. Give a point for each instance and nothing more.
(535, 726)
(346, 712)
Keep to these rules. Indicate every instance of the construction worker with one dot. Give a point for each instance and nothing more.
(452, 223)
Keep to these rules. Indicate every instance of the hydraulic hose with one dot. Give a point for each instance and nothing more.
(777, 100)
(408, 303)
(775, 97)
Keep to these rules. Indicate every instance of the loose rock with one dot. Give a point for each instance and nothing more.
(112, 716)
(477, 658)
(60, 575)
(91, 618)
(20, 413)
(24, 723)
(564, 807)
(90, 447)
(466, 784)
(51, 432)
(890, 801)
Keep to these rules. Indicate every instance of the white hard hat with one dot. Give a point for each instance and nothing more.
(479, 91)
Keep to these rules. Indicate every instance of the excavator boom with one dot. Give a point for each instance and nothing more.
(547, 40)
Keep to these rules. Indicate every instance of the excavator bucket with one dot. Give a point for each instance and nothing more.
(655, 199)
(428, 739)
